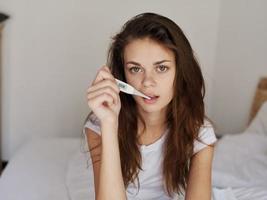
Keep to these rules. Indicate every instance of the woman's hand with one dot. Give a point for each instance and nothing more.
(103, 97)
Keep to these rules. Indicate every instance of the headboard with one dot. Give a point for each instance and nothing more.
(259, 98)
(3, 17)
(1, 27)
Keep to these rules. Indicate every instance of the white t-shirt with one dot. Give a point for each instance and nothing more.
(150, 178)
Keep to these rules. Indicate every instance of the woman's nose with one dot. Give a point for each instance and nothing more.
(148, 81)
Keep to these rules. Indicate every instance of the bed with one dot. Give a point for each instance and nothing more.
(240, 160)
(59, 168)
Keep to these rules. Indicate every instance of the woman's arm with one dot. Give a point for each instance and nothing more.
(104, 100)
(199, 183)
(108, 178)
(111, 186)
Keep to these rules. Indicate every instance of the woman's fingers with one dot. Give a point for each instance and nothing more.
(98, 100)
(103, 73)
(104, 90)
(103, 95)
(102, 84)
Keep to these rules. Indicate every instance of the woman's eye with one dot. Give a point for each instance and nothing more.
(162, 68)
(134, 69)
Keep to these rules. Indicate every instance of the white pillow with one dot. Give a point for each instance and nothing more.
(240, 161)
(259, 123)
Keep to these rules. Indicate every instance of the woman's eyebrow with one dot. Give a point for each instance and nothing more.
(132, 62)
(162, 61)
(155, 63)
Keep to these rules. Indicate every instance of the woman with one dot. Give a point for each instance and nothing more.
(159, 148)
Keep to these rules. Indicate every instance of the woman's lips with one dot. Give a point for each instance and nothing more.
(153, 99)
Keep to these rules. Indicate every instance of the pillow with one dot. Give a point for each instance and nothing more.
(259, 123)
(240, 161)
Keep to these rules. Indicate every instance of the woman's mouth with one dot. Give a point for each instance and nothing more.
(153, 99)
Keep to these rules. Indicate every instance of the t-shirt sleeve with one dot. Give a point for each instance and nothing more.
(206, 137)
(93, 124)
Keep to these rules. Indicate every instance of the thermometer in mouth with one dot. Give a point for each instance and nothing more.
(124, 87)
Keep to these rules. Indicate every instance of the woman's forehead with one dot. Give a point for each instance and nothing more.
(143, 50)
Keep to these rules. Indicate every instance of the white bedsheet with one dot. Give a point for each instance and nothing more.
(38, 170)
(223, 194)
(79, 177)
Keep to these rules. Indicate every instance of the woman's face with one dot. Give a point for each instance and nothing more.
(150, 68)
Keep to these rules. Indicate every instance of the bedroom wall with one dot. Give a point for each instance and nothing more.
(53, 48)
(240, 62)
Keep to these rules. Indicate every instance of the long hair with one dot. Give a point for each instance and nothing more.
(185, 113)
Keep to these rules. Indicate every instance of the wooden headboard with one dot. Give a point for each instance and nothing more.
(259, 98)
(3, 17)
(1, 27)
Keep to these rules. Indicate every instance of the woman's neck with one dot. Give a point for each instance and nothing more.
(155, 124)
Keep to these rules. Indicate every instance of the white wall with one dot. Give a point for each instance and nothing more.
(240, 62)
(52, 49)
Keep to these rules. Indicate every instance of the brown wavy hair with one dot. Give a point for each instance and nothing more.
(185, 113)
